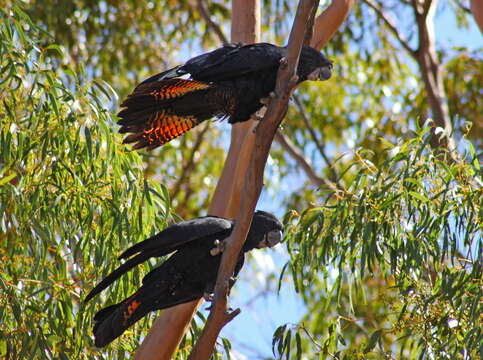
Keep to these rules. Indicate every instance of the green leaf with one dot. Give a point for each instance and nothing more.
(298, 341)
(376, 335)
(56, 48)
(419, 196)
(7, 178)
(277, 337)
(87, 134)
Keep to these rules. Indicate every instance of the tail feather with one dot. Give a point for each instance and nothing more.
(117, 273)
(168, 89)
(130, 116)
(112, 321)
(104, 329)
(159, 111)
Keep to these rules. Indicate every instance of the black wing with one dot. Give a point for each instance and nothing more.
(179, 234)
(240, 60)
(165, 242)
(226, 62)
(196, 64)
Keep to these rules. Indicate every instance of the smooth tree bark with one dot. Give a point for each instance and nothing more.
(253, 182)
(171, 325)
(327, 23)
(168, 330)
(477, 10)
(245, 28)
(429, 66)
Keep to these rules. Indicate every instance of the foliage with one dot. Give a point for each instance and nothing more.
(463, 96)
(406, 233)
(120, 36)
(71, 199)
(398, 270)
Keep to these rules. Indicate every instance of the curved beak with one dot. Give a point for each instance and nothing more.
(325, 72)
(322, 73)
(271, 239)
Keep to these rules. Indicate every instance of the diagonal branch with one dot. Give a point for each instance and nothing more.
(168, 330)
(171, 324)
(265, 132)
(385, 18)
(301, 160)
(281, 139)
(316, 140)
(190, 164)
(327, 23)
(210, 23)
(309, 30)
(432, 75)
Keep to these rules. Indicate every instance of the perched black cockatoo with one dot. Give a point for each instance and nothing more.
(228, 82)
(189, 274)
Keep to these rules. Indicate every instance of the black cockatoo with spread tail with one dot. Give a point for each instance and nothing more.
(188, 274)
(231, 82)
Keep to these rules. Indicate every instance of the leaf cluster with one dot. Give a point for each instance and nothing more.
(71, 198)
(397, 256)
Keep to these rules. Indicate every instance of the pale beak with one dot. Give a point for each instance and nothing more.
(271, 239)
(321, 73)
(325, 72)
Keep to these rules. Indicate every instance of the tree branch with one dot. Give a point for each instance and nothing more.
(390, 25)
(168, 330)
(265, 132)
(281, 139)
(431, 72)
(309, 30)
(427, 7)
(327, 23)
(188, 168)
(210, 23)
(477, 9)
(302, 161)
(245, 25)
(317, 142)
(429, 67)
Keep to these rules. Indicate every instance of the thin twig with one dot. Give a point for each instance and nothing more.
(210, 23)
(300, 159)
(384, 17)
(318, 144)
(430, 68)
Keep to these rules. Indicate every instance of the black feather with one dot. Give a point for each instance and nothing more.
(184, 276)
(170, 239)
(227, 82)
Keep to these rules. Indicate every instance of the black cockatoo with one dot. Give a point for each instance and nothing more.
(187, 275)
(228, 82)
